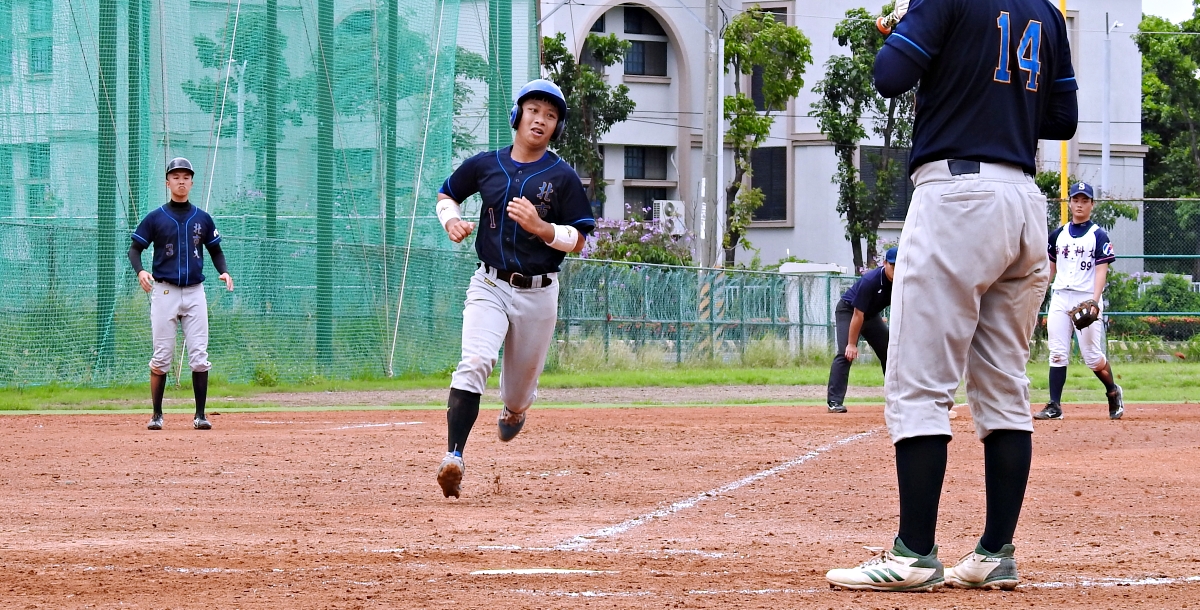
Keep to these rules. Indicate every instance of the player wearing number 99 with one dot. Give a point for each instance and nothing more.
(995, 76)
(1080, 253)
(534, 211)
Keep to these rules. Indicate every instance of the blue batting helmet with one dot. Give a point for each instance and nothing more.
(543, 89)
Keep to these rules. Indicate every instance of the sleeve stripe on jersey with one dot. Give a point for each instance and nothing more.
(139, 238)
(915, 45)
(1065, 80)
(445, 188)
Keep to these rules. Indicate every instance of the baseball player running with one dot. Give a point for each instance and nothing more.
(178, 231)
(1080, 253)
(534, 212)
(858, 313)
(995, 76)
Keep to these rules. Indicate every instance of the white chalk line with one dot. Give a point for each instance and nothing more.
(398, 423)
(620, 528)
(1115, 582)
(530, 571)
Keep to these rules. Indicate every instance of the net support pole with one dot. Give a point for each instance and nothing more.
(270, 157)
(134, 115)
(325, 153)
(499, 72)
(389, 128)
(106, 187)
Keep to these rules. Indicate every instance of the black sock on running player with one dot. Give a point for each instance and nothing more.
(200, 389)
(1105, 376)
(1006, 458)
(461, 412)
(920, 469)
(1058, 379)
(158, 385)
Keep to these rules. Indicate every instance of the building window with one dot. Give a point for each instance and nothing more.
(6, 182)
(37, 176)
(355, 179)
(639, 21)
(647, 58)
(639, 201)
(588, 58)
(770, 176)
(37, 201)
(5, 37)
(38, 157)
(756, 74)
(41, 55)
(41, 16)
(599, 25)
(902, 189)
(645, 163)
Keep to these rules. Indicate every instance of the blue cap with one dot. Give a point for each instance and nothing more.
(1081, 188)
(890, 255)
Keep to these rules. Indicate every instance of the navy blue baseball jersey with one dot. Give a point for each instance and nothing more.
(179, 237)
(871, 294)
(549, 184)
(990, 69)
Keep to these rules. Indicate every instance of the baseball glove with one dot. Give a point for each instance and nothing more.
(1083, 314)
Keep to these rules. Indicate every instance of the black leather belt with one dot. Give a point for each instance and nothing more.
(517, 279)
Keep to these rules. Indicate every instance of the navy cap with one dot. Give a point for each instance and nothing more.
(890, 255)
(1081, 187)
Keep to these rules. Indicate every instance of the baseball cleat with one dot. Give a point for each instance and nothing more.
(895, 569)
(155, 423)
(1116, 403)
(1052, 411)
(509, 424)
(836, 407)
(450, 474)
(980, 569)
(201, 424)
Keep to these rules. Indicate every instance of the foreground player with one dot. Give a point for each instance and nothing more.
(995, 76)
(858, 313)
(534, 211)
(1080, 253)
(178, 230)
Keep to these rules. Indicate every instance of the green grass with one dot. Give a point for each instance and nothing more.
(1143, 382)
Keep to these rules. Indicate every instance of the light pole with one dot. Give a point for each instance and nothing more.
(1105, 123)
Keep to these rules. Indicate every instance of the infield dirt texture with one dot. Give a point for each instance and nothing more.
(742, 507)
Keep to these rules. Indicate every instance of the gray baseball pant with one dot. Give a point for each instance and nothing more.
(171, 305)
(522, 320)
(971, 274)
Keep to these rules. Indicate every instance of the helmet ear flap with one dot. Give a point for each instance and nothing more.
(560, 125)
(514, 116)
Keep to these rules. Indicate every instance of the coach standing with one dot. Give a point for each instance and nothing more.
(995, 76)
(179, 231)
(857, 313)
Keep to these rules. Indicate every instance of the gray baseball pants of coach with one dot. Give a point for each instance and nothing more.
(171, 305)
(970, 277)
(520, 319)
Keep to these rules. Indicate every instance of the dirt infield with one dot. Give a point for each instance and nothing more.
(740, 507)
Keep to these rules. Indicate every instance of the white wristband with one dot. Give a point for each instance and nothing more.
(565, 238)
(448, 209)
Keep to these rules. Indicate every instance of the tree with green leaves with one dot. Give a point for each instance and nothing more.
(594, 105)
(1171, 122)
(755, 40)
(847, 93)
(1104, 213)
(468, 66)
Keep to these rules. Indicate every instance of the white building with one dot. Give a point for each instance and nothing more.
(656, 154)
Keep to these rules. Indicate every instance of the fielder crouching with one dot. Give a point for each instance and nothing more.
(534, 212)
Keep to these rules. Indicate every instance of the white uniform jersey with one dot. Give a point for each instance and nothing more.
(1076, 249)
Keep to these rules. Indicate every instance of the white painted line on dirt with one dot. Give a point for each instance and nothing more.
(399, 423)
(582, 593)
(615, 530)
(751, 591)
(1114, 582)
(523, 571)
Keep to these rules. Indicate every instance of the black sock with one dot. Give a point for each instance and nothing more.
(461, 412)
(1106, 377)
(200, 388)
(1058, 379)
(920, 469)
(1006, 457)
(158, 385)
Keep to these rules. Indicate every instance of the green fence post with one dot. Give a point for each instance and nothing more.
(607, 310)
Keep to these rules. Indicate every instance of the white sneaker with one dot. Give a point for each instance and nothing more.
(450, 474)
(895, 569)
(983, 570)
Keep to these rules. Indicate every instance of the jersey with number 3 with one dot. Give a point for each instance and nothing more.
(990, 69)
(1076, 249)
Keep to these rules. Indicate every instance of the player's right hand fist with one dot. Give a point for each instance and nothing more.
(146, 280)
(459, 229)
(851, 352)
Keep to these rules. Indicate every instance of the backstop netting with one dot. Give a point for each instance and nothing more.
(320, 132)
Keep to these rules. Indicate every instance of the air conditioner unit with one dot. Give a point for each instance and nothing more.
(671, 214)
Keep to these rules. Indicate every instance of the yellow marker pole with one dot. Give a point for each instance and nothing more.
(1062, 154)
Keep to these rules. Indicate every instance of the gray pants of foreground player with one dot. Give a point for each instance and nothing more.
(171, 305)
(520, 319)
(970, 277)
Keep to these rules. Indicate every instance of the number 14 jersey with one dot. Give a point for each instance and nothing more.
(1076, 249)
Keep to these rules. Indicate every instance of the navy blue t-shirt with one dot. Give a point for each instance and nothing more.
(871, 294)
(990, 70)
(550, 184)
(179, 238)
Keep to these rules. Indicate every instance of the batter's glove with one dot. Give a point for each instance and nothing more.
(886, 23)
(1083, 314)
